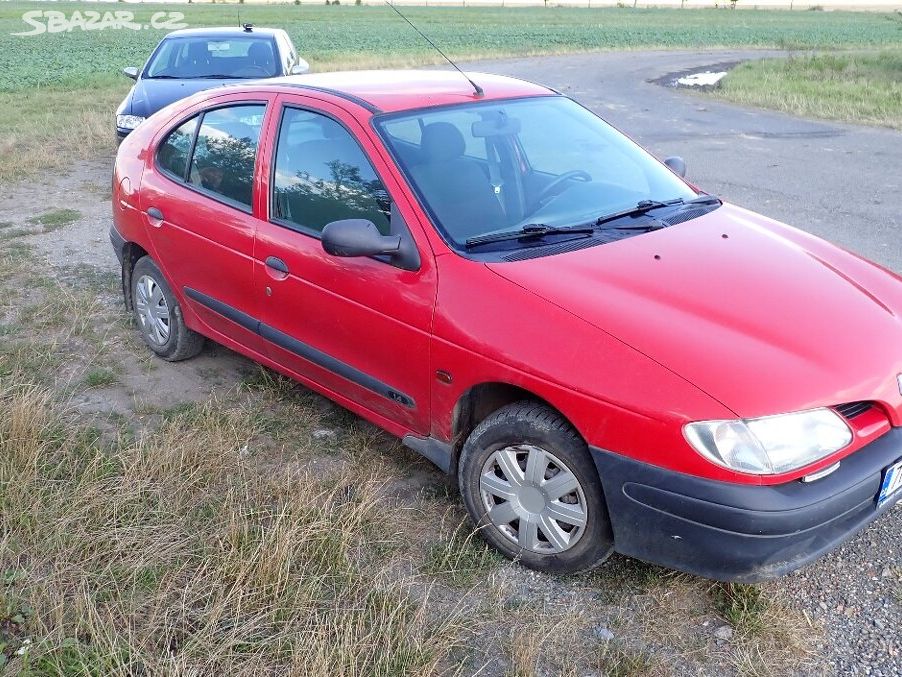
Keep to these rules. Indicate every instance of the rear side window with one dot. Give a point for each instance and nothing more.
(322, 175)
(222, 145)
(223, 160)
(174, 151)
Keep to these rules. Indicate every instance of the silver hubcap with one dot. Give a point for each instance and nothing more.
(152, 310)
(533, 498)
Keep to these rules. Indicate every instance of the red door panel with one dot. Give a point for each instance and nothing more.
(358, 326)
(205, 248)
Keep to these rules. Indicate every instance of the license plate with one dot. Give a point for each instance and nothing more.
(892, 483)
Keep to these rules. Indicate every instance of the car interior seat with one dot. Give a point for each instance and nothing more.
(460, 193)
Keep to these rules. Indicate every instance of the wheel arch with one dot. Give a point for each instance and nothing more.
(131, 254)
(483, 399)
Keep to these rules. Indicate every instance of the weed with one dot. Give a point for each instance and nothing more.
(55, 219)
(742, 606)
(461, 558)
(100, 377)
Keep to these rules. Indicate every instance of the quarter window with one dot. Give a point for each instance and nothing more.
(225, 151)
(322, 175)
(174, 151)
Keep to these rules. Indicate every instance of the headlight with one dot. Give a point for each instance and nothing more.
(128, 121)
(770, 445)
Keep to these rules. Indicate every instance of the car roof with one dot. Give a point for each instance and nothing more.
(398, 90)
(222, 32)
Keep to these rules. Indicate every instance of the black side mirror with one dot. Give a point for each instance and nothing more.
(358, 237)
(130, 72)
(677, 165)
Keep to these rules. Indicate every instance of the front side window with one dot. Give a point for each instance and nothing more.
(501, 166)
(225, 152)
(322, 175)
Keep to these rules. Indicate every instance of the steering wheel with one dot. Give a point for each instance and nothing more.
(548, 190)
(251, 71)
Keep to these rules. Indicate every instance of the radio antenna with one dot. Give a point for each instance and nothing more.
(476, 88)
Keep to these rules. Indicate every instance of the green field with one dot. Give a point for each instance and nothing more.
(852, 87)
(355, 36)
(58, 90)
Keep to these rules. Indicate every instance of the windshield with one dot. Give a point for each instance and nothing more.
(195, 57)
(492, 167)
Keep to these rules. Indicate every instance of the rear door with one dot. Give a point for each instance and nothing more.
(198, 201)
(357, 327)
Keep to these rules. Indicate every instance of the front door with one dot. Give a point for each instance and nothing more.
(359, 328)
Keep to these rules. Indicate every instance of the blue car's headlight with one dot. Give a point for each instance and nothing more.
(128, 121)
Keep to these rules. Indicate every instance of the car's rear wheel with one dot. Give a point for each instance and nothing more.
(531, 487)
(158, 315)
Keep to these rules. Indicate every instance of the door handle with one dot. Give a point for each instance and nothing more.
(155, 216)
(276, 264)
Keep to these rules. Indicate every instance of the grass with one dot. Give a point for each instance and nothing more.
(55, 218)
(769, 638)
(851, 87)
(100, 377)
(742, 606)
(462, 558)
(58, 91)
(171, 555)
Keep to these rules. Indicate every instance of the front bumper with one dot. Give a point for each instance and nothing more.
(740, 532)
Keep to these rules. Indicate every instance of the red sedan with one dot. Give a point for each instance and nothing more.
(605, 357)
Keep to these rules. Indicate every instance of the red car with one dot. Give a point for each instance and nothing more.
(605, 357)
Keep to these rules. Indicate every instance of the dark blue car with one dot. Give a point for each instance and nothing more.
(190, 60)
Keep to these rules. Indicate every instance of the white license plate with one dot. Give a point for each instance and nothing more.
(892, 483)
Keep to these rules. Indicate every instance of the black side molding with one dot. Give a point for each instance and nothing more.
(334, 365)
(227, 311)
(301, 349)
(432, 449)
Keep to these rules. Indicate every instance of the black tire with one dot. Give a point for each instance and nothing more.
(533, 425)
(177, 342)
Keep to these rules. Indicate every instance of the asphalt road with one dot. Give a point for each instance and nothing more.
(841, 182)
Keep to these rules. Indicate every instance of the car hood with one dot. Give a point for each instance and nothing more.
(762, 317)
(149, 96)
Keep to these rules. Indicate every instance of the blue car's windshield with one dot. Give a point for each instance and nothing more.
(223, 57)
(497, 166)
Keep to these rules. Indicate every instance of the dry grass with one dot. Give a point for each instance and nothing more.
(51, 129)
(770, 639)
(174, 555)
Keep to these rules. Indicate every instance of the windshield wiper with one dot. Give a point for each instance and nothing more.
(645, 206)
(166, 77)
(530, 230)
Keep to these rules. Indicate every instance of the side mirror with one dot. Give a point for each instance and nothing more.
(358, 237)
(299, 68)
(677, 165)
(130, 72)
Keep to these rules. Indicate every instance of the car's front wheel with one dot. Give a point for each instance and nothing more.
(531, 487)
(158, 315)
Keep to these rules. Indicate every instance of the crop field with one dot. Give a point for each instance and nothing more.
(58, 91)
(350, 36)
